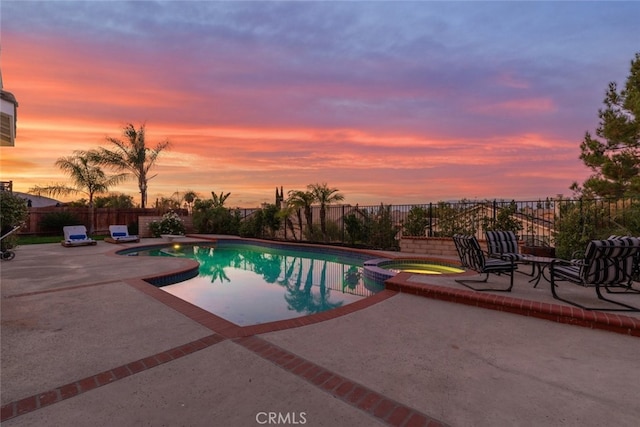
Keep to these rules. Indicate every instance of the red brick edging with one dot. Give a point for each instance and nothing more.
(40, 400)
(350, 392)
(612, 322)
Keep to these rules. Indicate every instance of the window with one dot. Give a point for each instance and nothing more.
(6, 130)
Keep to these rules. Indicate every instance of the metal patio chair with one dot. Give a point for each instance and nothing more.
(607, 264)
(503, 244)
(473, 258)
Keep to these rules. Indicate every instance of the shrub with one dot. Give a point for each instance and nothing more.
(354, 228)
(417, 221)
(169, 224)
(53, 222)
(208, 218)
(13, 212)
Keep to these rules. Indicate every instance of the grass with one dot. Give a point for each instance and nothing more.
(36, 240)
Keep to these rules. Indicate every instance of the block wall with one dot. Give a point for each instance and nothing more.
(144, 221)
(436, 246)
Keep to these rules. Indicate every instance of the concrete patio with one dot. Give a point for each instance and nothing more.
(86, 342)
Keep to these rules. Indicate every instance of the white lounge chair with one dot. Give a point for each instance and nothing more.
(120, 234)
(76, 235)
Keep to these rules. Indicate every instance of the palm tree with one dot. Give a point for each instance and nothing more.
(87, 178)
(285, 214)
(218, 201)
(132, 155)
(325, 196)
(302, 200)
(189, 197)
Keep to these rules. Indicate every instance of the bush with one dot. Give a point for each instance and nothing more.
(169, 224)
(53, 222)
(13, 212)
(252, 225)
(208, 218)
(417, 221)
(122, 201)
(355, 229)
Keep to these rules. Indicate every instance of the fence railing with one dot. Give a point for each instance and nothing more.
(537, 223)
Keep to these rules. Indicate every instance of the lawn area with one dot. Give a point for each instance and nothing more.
(35, 240)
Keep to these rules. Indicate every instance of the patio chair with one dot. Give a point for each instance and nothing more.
(120, 234)
(76, 235)
(503, 244)
(607, 264)
(473, 258)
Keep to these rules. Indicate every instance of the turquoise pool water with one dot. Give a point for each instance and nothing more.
(250, 284)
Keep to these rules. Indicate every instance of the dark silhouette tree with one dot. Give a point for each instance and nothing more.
(87, 177)
(302, 200)
(132, 155)
(325, 196)
(615, 158)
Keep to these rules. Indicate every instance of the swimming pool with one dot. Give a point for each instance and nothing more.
(248, 284)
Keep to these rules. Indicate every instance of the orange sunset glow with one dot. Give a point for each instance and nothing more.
(408, 102)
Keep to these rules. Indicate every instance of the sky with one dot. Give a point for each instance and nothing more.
(389, 102)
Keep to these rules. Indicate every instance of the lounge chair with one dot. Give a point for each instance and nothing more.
(607, 264)
(76, 235)
(120, 234)
(472, 257)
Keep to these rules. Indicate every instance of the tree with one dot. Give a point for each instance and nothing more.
(302, 200)
(119, 201)
(131, 155)
(87, 177)
(189, 197)
(218, 201)
(325, 196)
(616, 160)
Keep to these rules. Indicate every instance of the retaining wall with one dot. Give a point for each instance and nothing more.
(437, 246)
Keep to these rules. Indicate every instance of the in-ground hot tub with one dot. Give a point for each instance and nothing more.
(381, 269)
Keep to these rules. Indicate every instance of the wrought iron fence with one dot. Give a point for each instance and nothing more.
(537, 223)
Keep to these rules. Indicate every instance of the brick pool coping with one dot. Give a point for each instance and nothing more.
(570, 315)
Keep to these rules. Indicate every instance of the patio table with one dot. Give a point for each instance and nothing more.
(540, 265)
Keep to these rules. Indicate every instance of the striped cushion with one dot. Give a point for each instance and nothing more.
(568, 272)
(609, 261)
(503, 244)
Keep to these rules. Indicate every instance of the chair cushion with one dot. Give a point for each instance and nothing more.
(119, 234)
(77, 237)
(610, 261)
(568, 272)
(502, 242)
